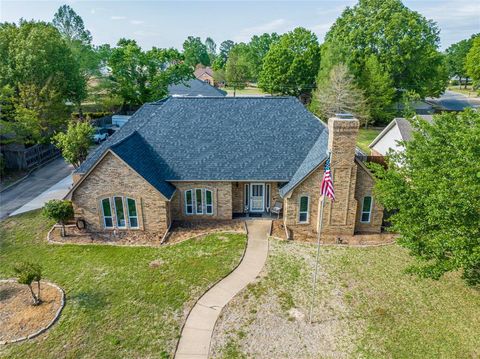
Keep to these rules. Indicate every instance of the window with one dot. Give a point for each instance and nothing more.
(132, 213)
(247, 196)
(208, 202)
(107, 213)
(366, 209)
(304, 209)
(118, 201)
(198, 201)
(188, 202)
(267, 197)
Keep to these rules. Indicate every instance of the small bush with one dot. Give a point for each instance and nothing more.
(27, 274)
(60, 211)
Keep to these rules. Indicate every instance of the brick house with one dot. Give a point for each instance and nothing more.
(204, 74)
(210, 158)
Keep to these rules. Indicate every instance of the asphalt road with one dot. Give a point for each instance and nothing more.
(453, 101)
(38, 181)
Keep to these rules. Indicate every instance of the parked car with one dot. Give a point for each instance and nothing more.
(101, 134)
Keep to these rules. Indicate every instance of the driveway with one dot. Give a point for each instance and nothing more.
(38, 182)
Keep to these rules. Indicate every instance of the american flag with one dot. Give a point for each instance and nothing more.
(326, 188)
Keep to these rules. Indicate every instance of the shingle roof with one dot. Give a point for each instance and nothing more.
(222, 138)
(199, 71)
(194, 87)
(139, 155)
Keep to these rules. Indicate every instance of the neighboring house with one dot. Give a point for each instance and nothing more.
(120, 120)
(400, 129)
(193, 88)
(204, 74)
(215, 158)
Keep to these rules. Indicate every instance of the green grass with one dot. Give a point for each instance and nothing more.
(469, 92)
(406, 316)
(245, 91)
(117, 306)
(365, 137)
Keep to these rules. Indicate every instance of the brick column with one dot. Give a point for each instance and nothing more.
(339, 217)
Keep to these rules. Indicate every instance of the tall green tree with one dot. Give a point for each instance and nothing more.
(195, 52)
(211, 49)
(139, 77)
(222, 57)
(37, 64)
(237, 69)
(259, 46)
(434, 189)
(75, 142)
(404, 42)
(472, 62)
(456, 58)
(291, 64)
(71, 25)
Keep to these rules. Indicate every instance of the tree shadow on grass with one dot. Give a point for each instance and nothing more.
(89, 300)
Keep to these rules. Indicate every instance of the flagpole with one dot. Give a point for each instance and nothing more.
(319, 232)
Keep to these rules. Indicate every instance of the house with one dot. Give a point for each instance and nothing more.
(216, 158)
(400, 129)
(204, 74)
(194, 87)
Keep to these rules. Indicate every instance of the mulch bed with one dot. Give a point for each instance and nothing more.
(181, 231)
(19, 318)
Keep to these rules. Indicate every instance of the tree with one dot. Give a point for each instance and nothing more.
(259, 46)
(27, 274)
(75, 142)
(71, 25)
(60, 211)
(434, 188)
(222, 58)
(378, 89)
(211, 49)
(473, 62)
(456, 56)
(138, 76)
(403, 41)
(237, 70)
(340, 94)
(291, 64)
(195, 52)
(38, 65)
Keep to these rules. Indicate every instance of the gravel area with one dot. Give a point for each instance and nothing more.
(269, 319)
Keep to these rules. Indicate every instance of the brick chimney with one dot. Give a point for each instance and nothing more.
(342, 138)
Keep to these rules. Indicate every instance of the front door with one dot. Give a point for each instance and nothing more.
(257, 191)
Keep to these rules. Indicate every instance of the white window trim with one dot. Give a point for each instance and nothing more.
(186, 203)
(268, 195)
(201, 200)
(103, 213)
(369, 212)
(307, 212)
(124, 214)
(128, 213)
(208, 205)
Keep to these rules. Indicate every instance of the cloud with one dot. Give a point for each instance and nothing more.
(278, 25)
(136, 22)
(321, 29)
(118, 17)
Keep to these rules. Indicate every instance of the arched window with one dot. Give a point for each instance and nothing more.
(107, 213)
(132, 213)
(125, 209)
(304, 209)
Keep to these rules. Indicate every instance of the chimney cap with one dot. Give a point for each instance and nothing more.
(345, 116)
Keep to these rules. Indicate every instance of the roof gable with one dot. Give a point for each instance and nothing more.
(194, 87)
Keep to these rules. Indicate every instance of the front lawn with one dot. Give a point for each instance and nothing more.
(117, 305)
(367, 306)
(365, 137)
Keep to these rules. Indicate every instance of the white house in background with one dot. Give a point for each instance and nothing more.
(399, 129)
(120, 120)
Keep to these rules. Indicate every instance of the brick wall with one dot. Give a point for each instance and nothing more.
(222, 200)
(111, 177)
(238, 195)
(364, 187)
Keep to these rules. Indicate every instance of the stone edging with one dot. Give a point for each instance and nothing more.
(51, 241)
(44, 329)
(210, 287)
(389, 243)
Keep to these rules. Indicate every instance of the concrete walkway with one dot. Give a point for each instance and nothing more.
(197, 332)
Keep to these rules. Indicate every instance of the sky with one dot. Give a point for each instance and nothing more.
(168, 23)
